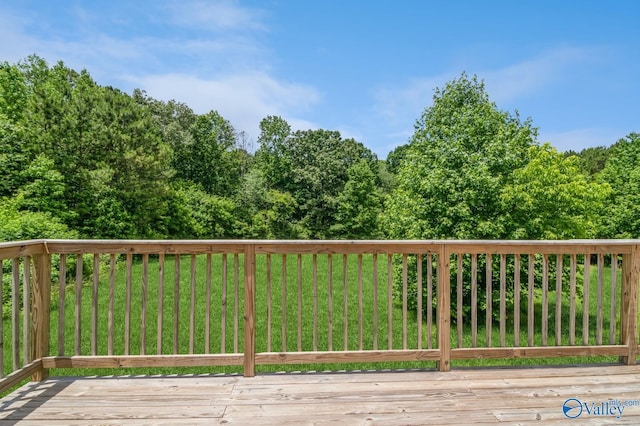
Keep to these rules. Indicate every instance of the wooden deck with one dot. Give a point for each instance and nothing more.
(478, 396)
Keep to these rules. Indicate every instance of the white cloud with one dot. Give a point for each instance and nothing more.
(523, 78)
(401, 105)
(215, 15)
(11, 28)
(503, 84)
(243, 99)
(217, 61)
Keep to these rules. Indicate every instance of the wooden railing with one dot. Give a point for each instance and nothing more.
(96, 304)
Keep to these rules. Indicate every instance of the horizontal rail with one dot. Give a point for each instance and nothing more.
(130, 361)
(19, 375)
(538, 352)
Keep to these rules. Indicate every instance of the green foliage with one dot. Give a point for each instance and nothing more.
(206, 216)
(622, 172)
(550, 198)
(13, 159)
(19, 225)
(458, 161)
(208, 157)
(13, 92)
(105, 146)
(358, 204)
(591, 160)
(312, 166)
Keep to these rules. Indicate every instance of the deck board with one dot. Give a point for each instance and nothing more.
(478, 396)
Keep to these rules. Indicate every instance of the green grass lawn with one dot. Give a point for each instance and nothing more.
(284, 301)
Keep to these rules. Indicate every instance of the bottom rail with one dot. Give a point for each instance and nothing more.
(19, 375)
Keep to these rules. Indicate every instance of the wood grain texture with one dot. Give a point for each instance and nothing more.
(486, 396)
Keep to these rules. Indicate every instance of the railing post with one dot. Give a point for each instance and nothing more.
(629, 304)
(41, 310)
(249, 310)
(444, 308)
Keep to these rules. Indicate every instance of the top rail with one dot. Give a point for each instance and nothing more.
(22, 248)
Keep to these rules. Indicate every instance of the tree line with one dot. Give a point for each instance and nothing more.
(81, 160)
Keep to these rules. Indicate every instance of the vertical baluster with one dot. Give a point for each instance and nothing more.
(112, 298)
(474, 300)
(429, 301)
(15, 312)
(345, 336)
(94, 306)
(315, 302)
(62, 284)
(223, 319)
(284, 303)
(192, 305)
(585, 299)
(207, 314)
(530, 305)
(143, 301)
(268, 302)
(404, 301)
(559, 299)
(236, 300)
(360, 307)
(516, 300)
(600, 298)
(389, 302)
(78, 312)
(572, 301)
(127, 312)
(176, 302)
(26, 310)
(299, 281)
(545, 298)
(419, 290)
(160, 302)
(459, 298)
(489, 284)
(503, 298)
(613, 293)
(375, 303)
(330, 302)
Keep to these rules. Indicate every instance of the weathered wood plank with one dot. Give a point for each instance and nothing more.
(131, 361)
(547, 351)
(62, 284)
(483, 396)
(192, 304)
(249, 362)
(78, 305)
(347, 356)
(143, 310)
(19, 375)
(160, 328)
(41, 312)
(404, 300)
(207, 314)
(94, 304)
(112, 301)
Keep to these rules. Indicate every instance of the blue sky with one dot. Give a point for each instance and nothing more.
(365, 68)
